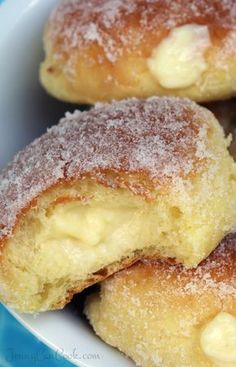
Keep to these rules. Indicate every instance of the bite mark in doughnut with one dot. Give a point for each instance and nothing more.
(106, 187)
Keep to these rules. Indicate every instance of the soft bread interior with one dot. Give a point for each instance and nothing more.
(79, 229)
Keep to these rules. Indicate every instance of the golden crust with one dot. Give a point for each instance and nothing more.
(155, 311)
(104, 188)
(139, 145)
(98, 50)
(217, 269)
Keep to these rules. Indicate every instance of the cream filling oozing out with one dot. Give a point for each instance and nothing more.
(58, 246)
(74, 239)
(94, 236)
(178, 61)
(218, 340)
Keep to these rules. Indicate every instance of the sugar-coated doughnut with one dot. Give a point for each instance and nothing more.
(106, 187)
(99, 50)
(162, 315)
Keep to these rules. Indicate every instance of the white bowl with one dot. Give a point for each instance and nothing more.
(26, 111)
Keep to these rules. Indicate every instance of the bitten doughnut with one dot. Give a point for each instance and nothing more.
(104, 50)
(106, 187)
(162, 315)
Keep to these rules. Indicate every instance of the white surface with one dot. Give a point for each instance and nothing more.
(25, 108)
(25, 112)
(68, 334)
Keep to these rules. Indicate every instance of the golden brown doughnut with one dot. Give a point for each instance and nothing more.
(162, 315)
(106, 187)
(99, 50)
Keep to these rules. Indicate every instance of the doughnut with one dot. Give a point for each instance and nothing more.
(164, 315)
(106, 187)
(100, 50)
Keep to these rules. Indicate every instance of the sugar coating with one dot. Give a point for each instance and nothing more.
(155, 311)
(216, 274)
(163, 139)
(123, 26)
